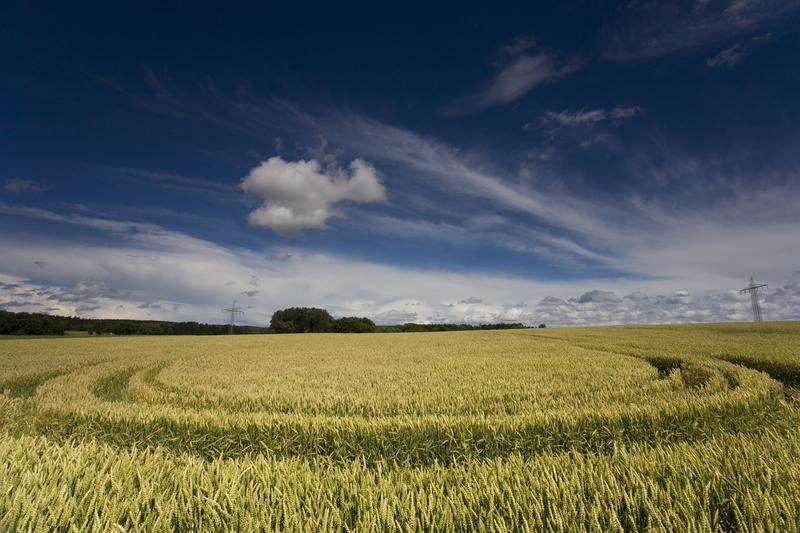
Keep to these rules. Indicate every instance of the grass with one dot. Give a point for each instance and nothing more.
(591, 429)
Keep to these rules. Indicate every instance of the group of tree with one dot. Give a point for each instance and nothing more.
(414, 327)
(41, 324)
(316, 320)
(292, 320)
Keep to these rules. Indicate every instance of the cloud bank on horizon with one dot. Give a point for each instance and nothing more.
(634, 170)
(170, 275)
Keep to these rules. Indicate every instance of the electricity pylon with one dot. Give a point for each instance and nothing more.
(753, 289)
(233, 310)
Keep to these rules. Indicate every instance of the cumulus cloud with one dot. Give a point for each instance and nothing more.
(394, 316)
(87, 290)
(20, 186)
(327, 281)
(598, 296)
(471, 300)
(85, 297)
(302, 194)
(520, 68)
(11, 304)
(680, 306)
(679, 297)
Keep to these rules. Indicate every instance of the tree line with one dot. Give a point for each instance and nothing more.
(316, 320)
(291, 320)
(41, 324)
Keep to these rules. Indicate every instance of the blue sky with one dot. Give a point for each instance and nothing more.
(575, 164)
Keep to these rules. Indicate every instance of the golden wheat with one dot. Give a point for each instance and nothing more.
(627, 428)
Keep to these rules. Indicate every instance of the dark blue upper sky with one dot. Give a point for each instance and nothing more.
(635, 147)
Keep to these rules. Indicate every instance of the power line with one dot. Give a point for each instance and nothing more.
(752, 290)
(233, 310)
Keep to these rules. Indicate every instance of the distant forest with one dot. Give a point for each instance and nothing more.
(316, 320)
(41, 324)
(292, 320)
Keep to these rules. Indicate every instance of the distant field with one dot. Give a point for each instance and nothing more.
(668, 428)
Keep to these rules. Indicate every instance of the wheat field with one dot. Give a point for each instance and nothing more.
(660, 428)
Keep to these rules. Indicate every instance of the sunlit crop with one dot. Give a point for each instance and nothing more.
(663, 428)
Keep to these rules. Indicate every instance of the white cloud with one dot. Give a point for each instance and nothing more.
(434, 167)
(183, 184)
(676, 242)
(143, 233)
(729, 57)
(302, 194)
(736, 53)
(519, 70)
(709, 306)
(599, 296)
(493, 231)
(441, 166)
(280, 255)
(20, 186)
(682, 233)
(147, 270)
(690, 236)
(520, 76)
(644, 30)
(591, 116)
(682, 239)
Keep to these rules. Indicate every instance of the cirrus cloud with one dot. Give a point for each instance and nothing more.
(520, 68)
(20, 186)
(591, 116)
(646, 30)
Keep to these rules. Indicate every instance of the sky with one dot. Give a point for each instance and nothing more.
(572, 164)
